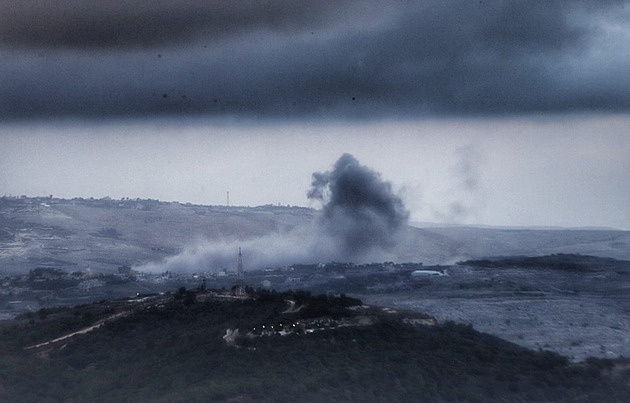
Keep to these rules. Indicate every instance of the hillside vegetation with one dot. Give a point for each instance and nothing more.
(562, 262)
(185, 347)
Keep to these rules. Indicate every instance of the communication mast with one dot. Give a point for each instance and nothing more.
(240, 275)
(228, 199)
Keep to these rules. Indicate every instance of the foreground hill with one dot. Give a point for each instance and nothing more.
(185, 347)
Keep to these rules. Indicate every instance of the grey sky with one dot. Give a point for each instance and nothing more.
(563, 170)
(495, 112)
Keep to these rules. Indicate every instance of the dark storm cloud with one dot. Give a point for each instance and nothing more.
(141, 23)
(360, 211)
(293, 59)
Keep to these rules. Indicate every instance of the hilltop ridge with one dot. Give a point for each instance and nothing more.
(184, 346)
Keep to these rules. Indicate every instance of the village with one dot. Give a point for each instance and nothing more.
(49, 287)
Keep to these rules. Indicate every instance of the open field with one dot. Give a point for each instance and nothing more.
(575, 314)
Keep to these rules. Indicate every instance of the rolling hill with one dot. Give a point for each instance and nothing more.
(105, 234)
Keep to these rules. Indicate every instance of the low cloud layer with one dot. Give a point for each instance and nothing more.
(280, 58)
(361, 221)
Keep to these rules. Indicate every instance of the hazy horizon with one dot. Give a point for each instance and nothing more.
(497, 112)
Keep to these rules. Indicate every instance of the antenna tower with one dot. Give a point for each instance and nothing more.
(228, 199)
(240, 275)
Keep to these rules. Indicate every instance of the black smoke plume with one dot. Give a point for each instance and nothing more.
(360, 211)
(361, 221)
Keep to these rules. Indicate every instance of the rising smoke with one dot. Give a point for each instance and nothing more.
(360, 221)
(467, 175)
(360, 214)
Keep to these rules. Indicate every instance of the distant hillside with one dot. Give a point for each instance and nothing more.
(562, 262)
(270, 347)
(469, 242)
(105, 234)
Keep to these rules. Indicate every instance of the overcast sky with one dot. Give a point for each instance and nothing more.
(496, 112)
